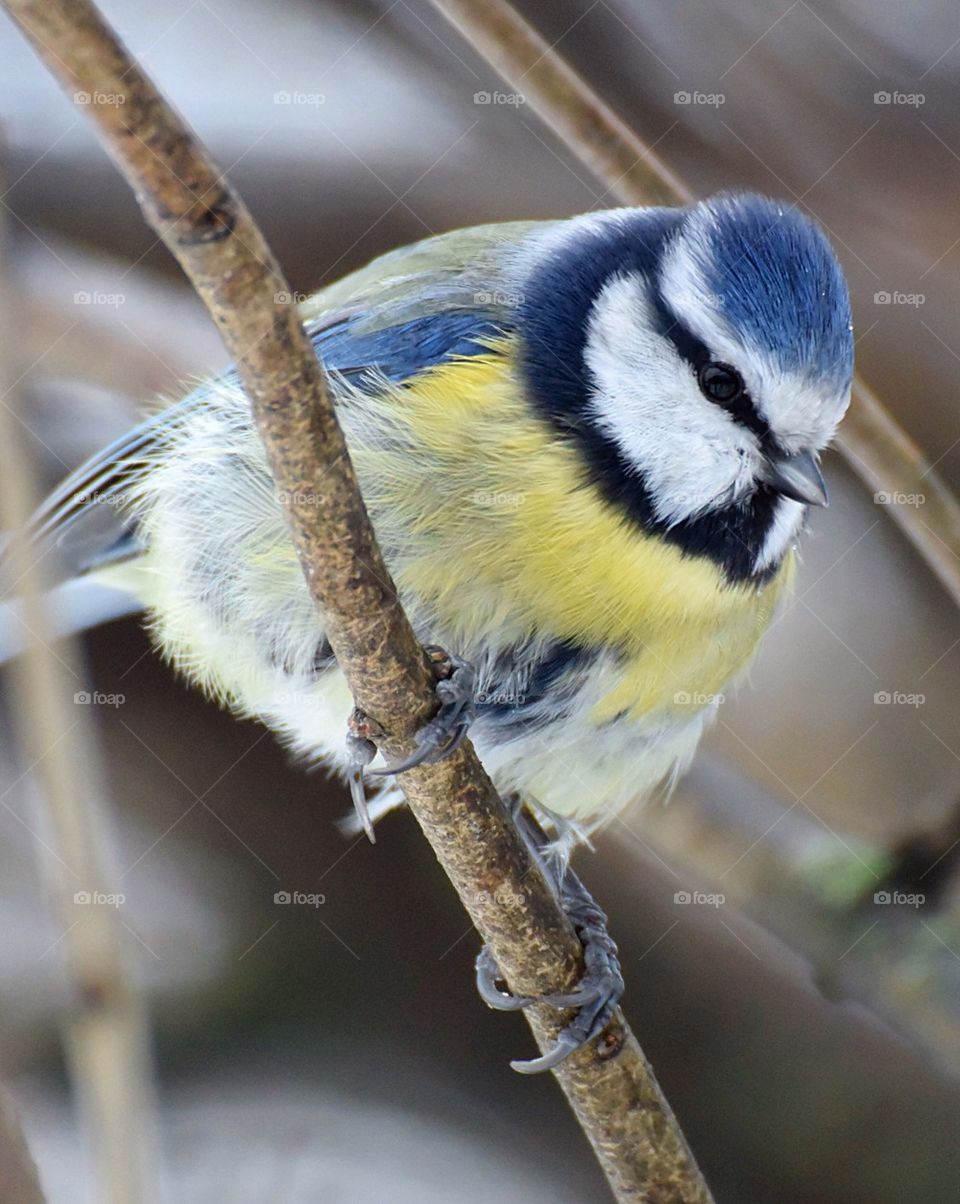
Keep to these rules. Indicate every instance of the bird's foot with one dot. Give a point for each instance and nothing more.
(595, 996)
(361, 749)
(447, 730)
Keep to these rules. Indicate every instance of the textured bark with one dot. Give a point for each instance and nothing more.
(878, 450)
(208, 229)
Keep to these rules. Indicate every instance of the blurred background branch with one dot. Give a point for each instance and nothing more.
(105, 1025)
(19, 1183)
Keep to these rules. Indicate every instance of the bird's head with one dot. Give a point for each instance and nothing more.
(701, 358)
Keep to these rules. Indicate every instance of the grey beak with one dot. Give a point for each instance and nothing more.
(797, 477)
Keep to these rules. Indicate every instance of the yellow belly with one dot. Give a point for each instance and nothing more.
(495, 538)
(501, 536)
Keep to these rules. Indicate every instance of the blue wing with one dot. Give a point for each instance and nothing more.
(443, 297)
(401, 351)
(84, 518)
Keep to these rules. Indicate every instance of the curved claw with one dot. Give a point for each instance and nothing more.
(589, 1023)
(553, 1057)
(602, 978)
(488, 975)
(359, 797)
(361, 751)
(427, 752)
(444, 733)
(577, 998)
(594, 998)
(458, 738)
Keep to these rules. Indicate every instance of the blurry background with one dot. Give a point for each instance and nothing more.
(790, 923)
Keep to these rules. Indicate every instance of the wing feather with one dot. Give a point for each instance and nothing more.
(412, 308)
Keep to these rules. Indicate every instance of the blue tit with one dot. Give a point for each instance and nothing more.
(587, 447)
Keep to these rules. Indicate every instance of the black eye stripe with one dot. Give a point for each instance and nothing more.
(688, 346)
(743, 411)
(741, 408)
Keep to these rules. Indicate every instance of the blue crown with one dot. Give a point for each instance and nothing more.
(777, 283)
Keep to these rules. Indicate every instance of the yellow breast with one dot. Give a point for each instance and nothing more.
(499, 534)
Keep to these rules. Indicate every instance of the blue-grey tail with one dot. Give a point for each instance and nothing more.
(72, 607)
(84, 532)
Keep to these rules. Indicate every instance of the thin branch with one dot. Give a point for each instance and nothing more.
(187, 201)
(885, 457)
(106, 1027)
(878, 450)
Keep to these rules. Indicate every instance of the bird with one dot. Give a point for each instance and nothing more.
(588, 447)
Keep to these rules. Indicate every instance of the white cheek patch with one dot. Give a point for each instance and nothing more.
(801, 417)
(692, 455)
(783, 532)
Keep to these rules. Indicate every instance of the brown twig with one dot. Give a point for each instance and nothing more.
(879, 451)
(885, 457)
(600, 139)
(190, 205)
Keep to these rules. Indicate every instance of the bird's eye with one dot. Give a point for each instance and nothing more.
(720, 382)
